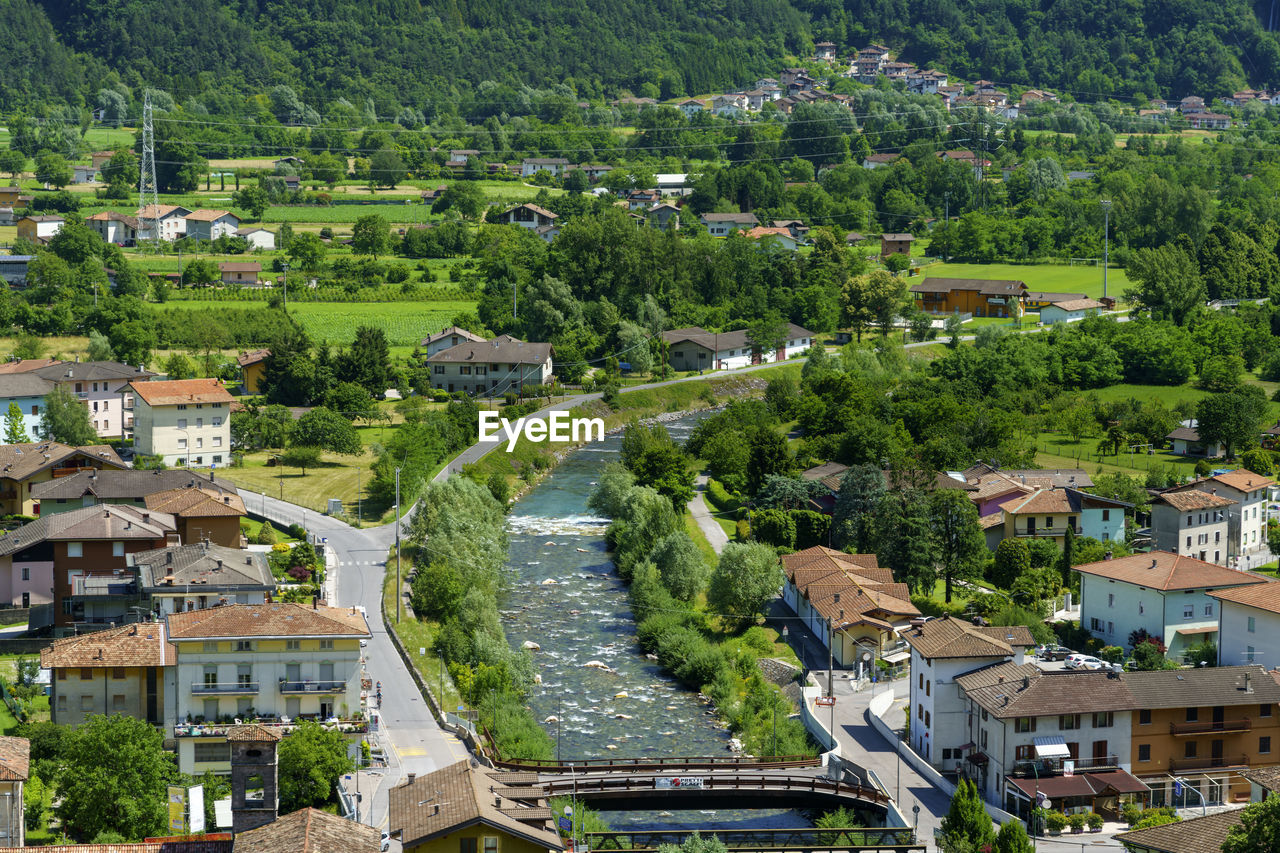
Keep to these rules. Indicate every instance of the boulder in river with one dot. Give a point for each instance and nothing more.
(532, 646)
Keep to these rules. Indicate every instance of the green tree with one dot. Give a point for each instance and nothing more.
(100, 347)
(306, 250)
(1259, 828)
(201, 271)
(386, 168)
(966, 826)
(746, 579)
(178, 366)
(301, 456)
(121, 174)
(254, 199)
(311, 760)
(118, 760)
(853, 522)
(658, 462)
(463, 196)
(1259, 461)
(368, 361)
(133, 341)
(904, 541)
(1234, 418)
(326, 429)
(1166, 281)
(680, 565)
(1012, 838)
(15, 430)
(961, 550)
(327, 168)
(52, 169)
(576, 182)
(1013, 560)
(12, 163)
(352, 401)
(64, 418)
(371, 235)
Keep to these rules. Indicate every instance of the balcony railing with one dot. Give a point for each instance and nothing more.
(225, 687)
(312, 686)
(1211, 727)
(1179, 764)
(1049, 531)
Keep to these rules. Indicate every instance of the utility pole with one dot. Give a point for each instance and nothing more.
(1106, 241)
(399, 594)
(946, 224)
(284, 268)
(147, 193)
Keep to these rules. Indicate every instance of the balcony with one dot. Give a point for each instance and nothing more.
(312, 686)
(1177, 765)
(1211, 727)
(1049, 531)
(225, 688)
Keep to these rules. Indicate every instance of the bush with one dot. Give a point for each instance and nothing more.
(1131, 813)
(297, 531)
(757, 639)
(720, 498)
(1111, 654)
(1076, 822)
(1094, 820)
(267, 534)
(1055, 821)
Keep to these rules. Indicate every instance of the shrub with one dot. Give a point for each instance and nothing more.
(297, 531)
(1094, 820)
(1131, 813)
(757, 639)
(742, 531)
(267, 535)
(1111, 654)
(720, 498)
(1055, 821)
(1076, 822)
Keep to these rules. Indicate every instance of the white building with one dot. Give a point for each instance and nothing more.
(212, 224)
(1069, 311)
(941, 651)
(694, 348)
(720, 224)
(491, 367)
(1247, 523)
(257, 237)
(529, 216)
(450, 337)
(531, 166)
(114, 227)
(185, 422)
(1249, 625)
(1164, 594)
(173, 221)
(200, 575)
(1191, 523)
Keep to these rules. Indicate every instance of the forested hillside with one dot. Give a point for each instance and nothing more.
(429, 54)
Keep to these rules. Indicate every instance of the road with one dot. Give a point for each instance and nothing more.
(702, 514)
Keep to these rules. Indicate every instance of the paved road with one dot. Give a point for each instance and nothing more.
(701, 513)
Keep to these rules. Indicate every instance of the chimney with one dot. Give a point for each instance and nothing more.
(168, 558)
(497, 801)
(436, 808)
(1026, 682)
(219, 562)
(315, 603)
(1154, 562)
(411, 777)
(837, 599)
(146, 516)
(1248, 683)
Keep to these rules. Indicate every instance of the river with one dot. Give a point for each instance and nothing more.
(566, 597)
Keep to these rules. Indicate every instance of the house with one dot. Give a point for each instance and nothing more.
(824, 51)
(1037, 96)
(429, 196)
(257, 237)
(1185, 441)
(593, 171)
(531, 166)
(1069, 310)
(528, 216)
(691, 107)
(1247, 525)
(15, 760)
(1164, 594)
(196, 576)
(465, 806)
(730, 106)
(1192, 523)
(288, 162)
(664, 216)
(895, 244)
(853, 237)
(27, 391)
(981, 297)
(450, 337)
(1208, 121)
(1050, 513)
(22, 466)
(1248, 624)
(782, 236)
(100, 158)
(99, 384)
(967, 158)
(491, 368)
(1037, 299)
(253, 367)
(172, 219)
(242, 273)
(941, 650)
(795, 227)
(11, 196)
(926, 82)
(83, 174)
(694, 348)
(116, 671)
(720, 224)
(202, 513)
(757, 98)
(851, 604)
(75, 560)
(13, 269)
(549, 233)
(128, 486)
(1199, 834)
(459, 156)
(642, 199)
(114, 227)
(308, 831)
(1191, 104)
(38, 229)
(211, 224)
(185, 422)
(280, 660)
(877, 161)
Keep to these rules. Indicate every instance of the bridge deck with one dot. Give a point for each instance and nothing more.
(765, 840)
(666, 763)
(657, 787)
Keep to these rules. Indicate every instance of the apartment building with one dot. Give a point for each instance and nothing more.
(1249, 625)
(187, 423)
(1247, 520)
(198, 576)
(491, 368)
(23, 467)
(100, 385)
(116, 671)
(129, 486)
(1192, 523)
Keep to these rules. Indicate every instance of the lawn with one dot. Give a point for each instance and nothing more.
(337, 477)
(337, 214)
(418, 635)
(1054, 278)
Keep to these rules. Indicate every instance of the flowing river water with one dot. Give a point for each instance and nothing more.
(600, 696)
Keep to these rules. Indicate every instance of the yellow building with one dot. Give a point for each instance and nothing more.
(253, 366)
(117, 671)
(465, 809)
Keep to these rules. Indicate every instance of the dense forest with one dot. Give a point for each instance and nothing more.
(429, 55)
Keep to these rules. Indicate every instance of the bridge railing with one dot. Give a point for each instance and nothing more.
(740, 782)
(713, 762)
(856, 838)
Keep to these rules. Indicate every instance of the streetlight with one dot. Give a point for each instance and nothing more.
(1106, 241)
(284, 283)
(399, 592)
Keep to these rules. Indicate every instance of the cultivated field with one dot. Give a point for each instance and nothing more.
(1054, 278)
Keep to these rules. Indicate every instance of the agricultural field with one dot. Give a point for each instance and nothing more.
(1054, 278)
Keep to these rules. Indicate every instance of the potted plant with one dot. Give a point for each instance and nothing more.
(1094, 820)
(1056, 822)
(1076, 822)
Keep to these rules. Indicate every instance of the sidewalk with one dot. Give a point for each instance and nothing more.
(706, 521)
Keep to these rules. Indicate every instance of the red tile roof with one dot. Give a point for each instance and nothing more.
(1165, 571)
(180, 391)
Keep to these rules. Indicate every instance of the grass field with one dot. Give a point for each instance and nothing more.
(337, 477)
(1055, 278)
(396, 214)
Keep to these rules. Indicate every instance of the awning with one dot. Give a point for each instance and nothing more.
(1082, 784)
(898, 656)
(978, 758)
(969, 745)
(1052, 747)
(1210, 629)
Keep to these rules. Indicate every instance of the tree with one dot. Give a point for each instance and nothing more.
(326, 429)
(368, 362)
(961, 549)
(306, 250)
(576, 182)
(966, 826)
(15, 430)
(897, 262)
(1234, 418)
(178, 366)
(52, 169)
(66, 419)
(1259, 828)
(12, 163)
(201, 271)
(463, 196)
(311, 760)
(133, 341)
(680, 565)
(352, 401)
(121, 174)
(1013, 560)
(658, 462)
(853, 521)
(1167, 282)
(254, 199)
(904, 541)
(1012, 838)
(327, 168)
(100, 347)
(371, 235)
(768, 333)
(746, 579)
(386, 168)
(301, 456)
(118, 760)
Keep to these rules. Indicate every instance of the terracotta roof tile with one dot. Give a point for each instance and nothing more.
(209, 215)
(955, 638)
(111, 484)
(1050, 693)
(1244, 480)
(1263, 596)
(1267, 777)
(104, 521)
(175, 391)
(1164, 570)
(198, 502)
(248, 358)
(309, 831)
(142, 644)
(15, 759)
(1204, 834)
(1192, 500)
(253, 733)
(267, 620)
(20, 461)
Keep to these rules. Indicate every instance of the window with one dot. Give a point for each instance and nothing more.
(244, 675)
(1144, 717)
(1264, 744)
(75, 549)
(26, 573)
(984, 715)
(86, 674)
(1193, 715)
(1248, 655)
(210, 676)
(217, 422)
(1264, 710)
(199, 441)
(1208, 608)
(199, 423)
(919, 712)
(62, 675)
(1103, 720)
(466, 845)
(292, 645)
(465, 370)
(244, 645)
(1253, 625)
(1067, 722)
(927, 686)
(182, 444)
(106, 405)
(1048, 522)
(62, 704)
(928, 719)
(117, 703)
(117, 672)
(920, 681)
(210, 646)
(1144, 752)
(212, 751)
(1188, 611)
(86, 703)
(215, 406)
(982, 741)
(1023, 725)
(117, 549)
(1111, 599)
(218, 461)
(182, 423)
(1190, 750)
(1188, 538)
(182, 407)
(491, 844)
(1026, 752)
(326, 644)
(439, 369)
(35, 410)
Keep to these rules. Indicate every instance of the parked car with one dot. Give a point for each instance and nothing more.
(1084, 662)
(1052, 652)
(386, 842)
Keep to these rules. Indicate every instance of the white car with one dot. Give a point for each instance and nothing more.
(386, 842)
(1084, 662)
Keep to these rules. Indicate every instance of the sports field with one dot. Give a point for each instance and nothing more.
(1054, 278)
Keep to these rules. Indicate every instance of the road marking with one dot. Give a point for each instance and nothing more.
(411, 752)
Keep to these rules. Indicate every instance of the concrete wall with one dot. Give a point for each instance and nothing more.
(1237, 645)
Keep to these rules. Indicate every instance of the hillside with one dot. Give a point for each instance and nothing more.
(430, 54)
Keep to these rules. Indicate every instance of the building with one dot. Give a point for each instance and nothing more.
(1203, 834)
(824, 51)
(1263, 782)
(1191, 523)
(253, 367)
(1037, 299)
(39, 228)
(529, 216)
(280, 660)
(27, 391)
(13, 268)
(15, 760)
(694, 348)
(450, 337)
(941, 650)
(172, 218)
(491, 368)
(129, 486)
(780, 236)
(240, 273)
(895, 244)
(880, 160)
(307, 831)
(1069, 310)
(1208, 121)
(1162, 594)
(257, 237)
(691, 107)
(116, 671)
(114, 227)
(202, 513)
(980, 297)
(720, 224)
(211, 224)
(197, 576)
(185, 422)
(469, 808)
(1246, 523)
(1248, 624)
(1185, 441)
(851, 605)
(23, 466)
(664, 217)
(100, 385)
(1049, 513)
(531, 166)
